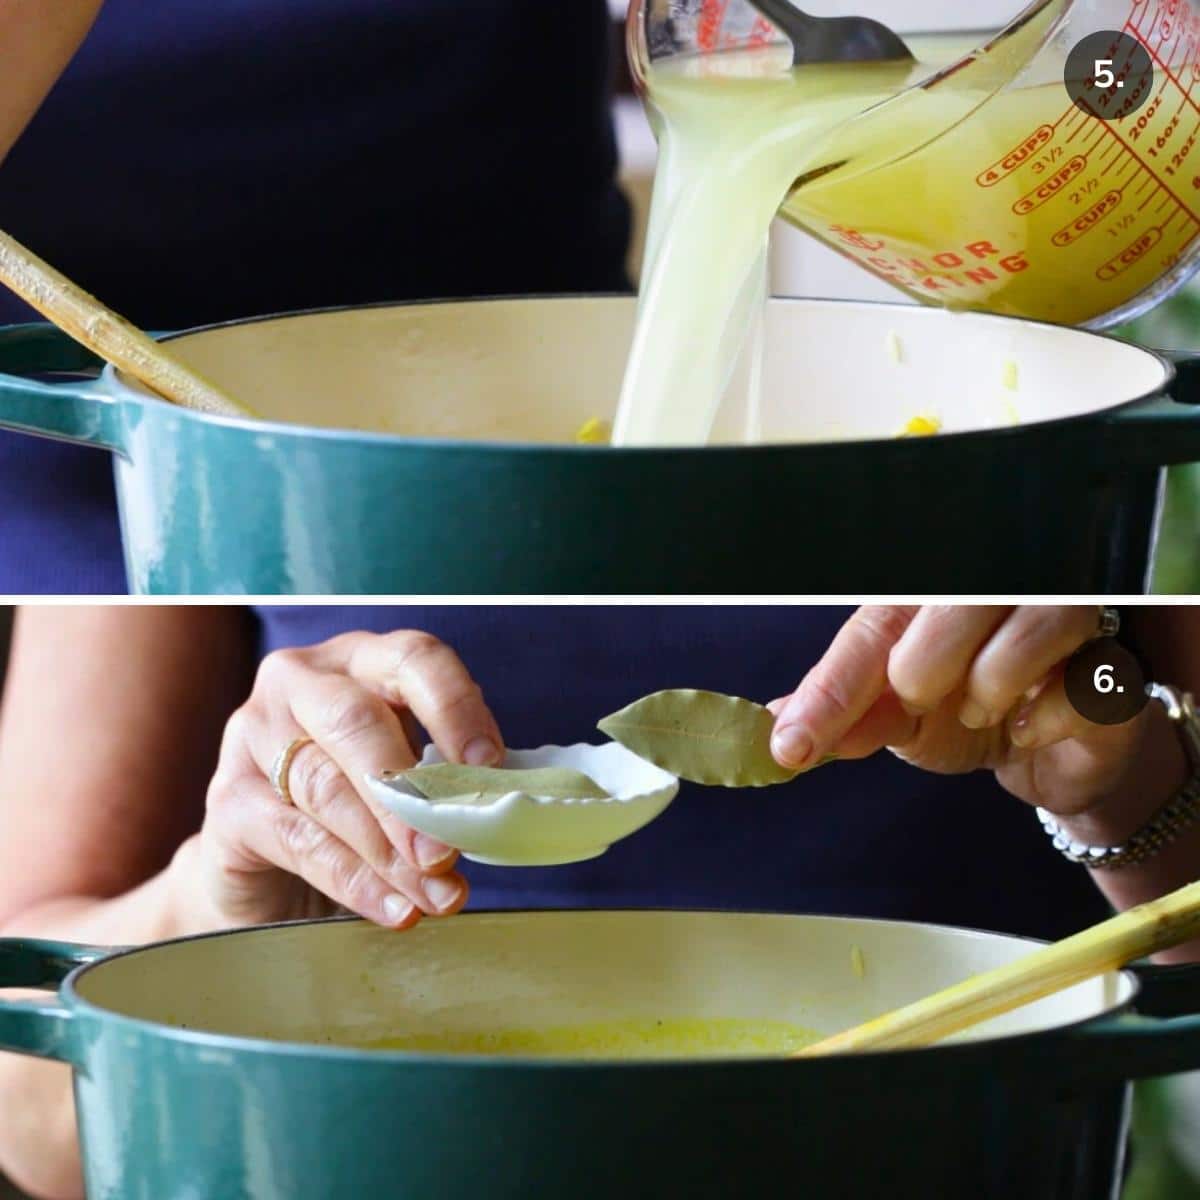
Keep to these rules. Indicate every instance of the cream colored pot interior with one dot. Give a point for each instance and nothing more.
(538, 370)
(349, 982)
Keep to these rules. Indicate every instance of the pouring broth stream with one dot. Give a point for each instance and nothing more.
(856, 153)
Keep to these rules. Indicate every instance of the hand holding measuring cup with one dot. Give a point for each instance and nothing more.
(291, 831)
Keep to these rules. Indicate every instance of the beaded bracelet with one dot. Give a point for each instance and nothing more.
(1178, 814)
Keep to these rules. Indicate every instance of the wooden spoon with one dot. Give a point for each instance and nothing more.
(114, 339)
(1148, 929)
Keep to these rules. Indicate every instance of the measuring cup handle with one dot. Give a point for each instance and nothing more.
(79, 411)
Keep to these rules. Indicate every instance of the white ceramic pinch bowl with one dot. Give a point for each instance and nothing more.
(519, 830)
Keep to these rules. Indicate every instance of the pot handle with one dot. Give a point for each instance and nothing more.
(39, 1027)
(1163, 431)
(1161, 1038)
(1186, 388)
(79, 411)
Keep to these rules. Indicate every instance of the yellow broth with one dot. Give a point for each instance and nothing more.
(629, 1039)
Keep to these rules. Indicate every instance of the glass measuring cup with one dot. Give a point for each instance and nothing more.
(983, 185)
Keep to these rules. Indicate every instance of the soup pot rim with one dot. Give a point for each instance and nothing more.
(124, 391)
(78, 1005)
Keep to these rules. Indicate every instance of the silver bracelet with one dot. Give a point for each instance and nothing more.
(1178, 814)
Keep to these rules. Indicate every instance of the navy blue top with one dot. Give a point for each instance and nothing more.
(203, 160)
(874, 838)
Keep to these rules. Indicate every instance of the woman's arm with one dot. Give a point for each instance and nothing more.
(125, 730)
(1170, 640)
(37, 40)
(948, 688)
(109, 732)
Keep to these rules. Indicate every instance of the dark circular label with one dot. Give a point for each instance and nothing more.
(1105, 683)
(1110, 75)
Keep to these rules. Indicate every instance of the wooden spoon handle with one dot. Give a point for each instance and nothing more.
(1149, 928)
(113, 338)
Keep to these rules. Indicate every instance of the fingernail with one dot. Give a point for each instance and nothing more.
(973, 715)
(481, 752)
(442, 892)
(1022, 734)
(397, 908)
(791, 745)
(429, 851)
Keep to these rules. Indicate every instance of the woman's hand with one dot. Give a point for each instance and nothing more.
(953, 689)
(359, 698)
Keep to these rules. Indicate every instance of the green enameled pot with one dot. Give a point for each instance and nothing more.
(1047, 477)
(225, 1066)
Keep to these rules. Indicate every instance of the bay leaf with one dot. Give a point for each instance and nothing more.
(452, 781)
(703, 737)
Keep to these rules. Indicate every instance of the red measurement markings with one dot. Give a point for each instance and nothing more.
(1188, 29)
(1184, 100)
(1138, 20)
(712, 17)
(1143, 117)
(1187, 50)
(1129, 148)
(1174, 27)
(1189, 58)
(761, 32)
(1152, 195)
(1078, 130)
(1131, 255)
(1126, 91)
(1051, 187)
(967, 267)
(1090, 148)
(1172, 30)
(1176, 215)
(1189, 38)
(1162, 87)
(1114, 156)
(1183, 248)
(1165, 23)
(1083, 224)
(1068, 118)
(1017, 157)
(1180, 151)
(1073, 114)
(1166, 70)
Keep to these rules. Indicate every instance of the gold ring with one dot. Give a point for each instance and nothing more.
(283, 764)
(1110, 622)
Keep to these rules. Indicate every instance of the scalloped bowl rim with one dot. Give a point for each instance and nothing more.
(500, 832)
(524, 759)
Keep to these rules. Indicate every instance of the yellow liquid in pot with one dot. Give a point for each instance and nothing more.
(690, 1038)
